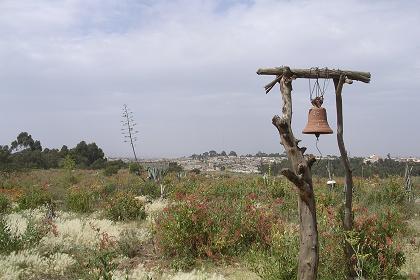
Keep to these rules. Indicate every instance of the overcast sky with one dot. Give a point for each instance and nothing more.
(187, 71)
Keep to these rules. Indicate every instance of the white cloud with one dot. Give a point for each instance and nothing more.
(187, 70)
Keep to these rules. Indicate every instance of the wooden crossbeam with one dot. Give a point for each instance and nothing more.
(313, 73)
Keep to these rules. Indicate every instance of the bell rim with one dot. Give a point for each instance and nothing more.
(318, 132)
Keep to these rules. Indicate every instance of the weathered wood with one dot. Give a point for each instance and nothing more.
(314, 73)
(348, 213)
(300, 175)
(269, 86)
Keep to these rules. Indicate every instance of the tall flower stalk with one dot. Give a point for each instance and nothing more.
(128, 131)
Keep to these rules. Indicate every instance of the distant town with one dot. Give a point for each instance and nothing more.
(213, 161)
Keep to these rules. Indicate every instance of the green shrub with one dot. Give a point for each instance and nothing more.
(69, 178)
(5, 204)
(100, 263)
(7, 242)
(150, 189)
(174, 167)
(80, 200)
(391, 191)
(375, 239)
(332, 264)
(279, 260)
(197, 227)
(135, 168)
(112, 167)
(68, 163)
(98, 164)
(111, 170)
(32, 235)
(277, 191)
(123, 206)
(33, 197)
(109, 189)
(130, 244)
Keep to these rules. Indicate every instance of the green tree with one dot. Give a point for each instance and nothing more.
(233, 154)
(86, 154)
(64, 151)
(212, 153)
(69, 163)
(25, 141)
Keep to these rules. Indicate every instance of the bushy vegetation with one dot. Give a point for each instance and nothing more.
(10, 241)
(135, 168)
(27, 153)
(218, 218)
(5, 203)
(257, 220)
(80, 200)
(279, 259)
(33, 197)
(382, 168)
(200, 227)
(125, 207)
(149, 189)
(376, 239)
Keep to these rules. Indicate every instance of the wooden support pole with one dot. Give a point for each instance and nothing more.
(348, 213)
(313, 73)
(300, 175)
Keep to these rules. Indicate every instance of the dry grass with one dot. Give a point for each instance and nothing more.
(74, 238)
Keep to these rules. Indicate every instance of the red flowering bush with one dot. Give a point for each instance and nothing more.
(376, 242)
(332, 264)
(198, 227)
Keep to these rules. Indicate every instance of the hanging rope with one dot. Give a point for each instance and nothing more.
(316, 92)
(326, 81)
(316, 96)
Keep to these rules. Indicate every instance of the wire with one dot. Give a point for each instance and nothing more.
(309, 83)
(316, 145)
(316, 91)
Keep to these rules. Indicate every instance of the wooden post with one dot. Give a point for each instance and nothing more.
(348, 212)
(300, 175)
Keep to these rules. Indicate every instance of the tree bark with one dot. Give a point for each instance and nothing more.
(300, 175)
(348, 213)
(315, 73)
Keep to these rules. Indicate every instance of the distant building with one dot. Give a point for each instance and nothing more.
(371, 159)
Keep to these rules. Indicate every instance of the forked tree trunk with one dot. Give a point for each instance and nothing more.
(348, 213)
(300, 175)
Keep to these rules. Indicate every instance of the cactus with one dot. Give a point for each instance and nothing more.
(180, 175)
(155, 173)
(152, 173)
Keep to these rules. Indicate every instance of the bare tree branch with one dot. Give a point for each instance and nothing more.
(315, 73)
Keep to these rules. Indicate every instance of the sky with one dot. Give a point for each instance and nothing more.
(187, 70)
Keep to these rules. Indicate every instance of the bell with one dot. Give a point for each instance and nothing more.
(317, 122)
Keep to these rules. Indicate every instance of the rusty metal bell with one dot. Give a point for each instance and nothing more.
(317, 122)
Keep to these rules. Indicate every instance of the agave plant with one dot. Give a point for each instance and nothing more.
(181, 175)
(156, 173)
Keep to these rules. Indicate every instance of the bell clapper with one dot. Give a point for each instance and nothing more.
(317, 116)
(316, 145)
